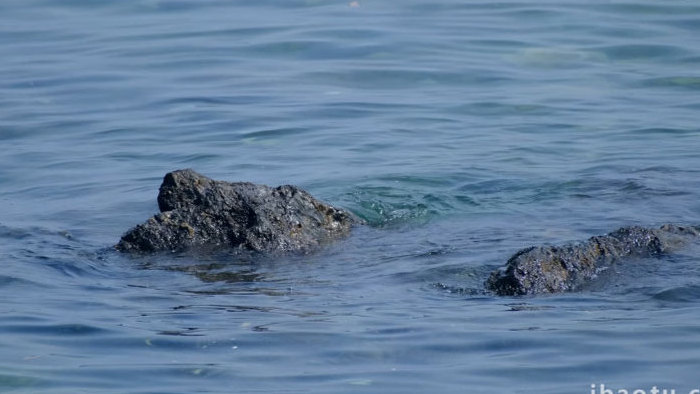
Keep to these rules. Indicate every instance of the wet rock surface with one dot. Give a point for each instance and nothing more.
(197, 211)
(553, 269)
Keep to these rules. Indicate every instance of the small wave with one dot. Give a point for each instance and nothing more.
(54, 329)
(681, 294)
(680, 82)
(8, 281)
(16, 381)
(491, 108)
(404, 79)
(557, 57)
(586, 188)
(642, 51)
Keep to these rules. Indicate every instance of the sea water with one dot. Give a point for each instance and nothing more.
(461, 131)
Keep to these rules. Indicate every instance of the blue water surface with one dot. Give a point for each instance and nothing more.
(462, 131)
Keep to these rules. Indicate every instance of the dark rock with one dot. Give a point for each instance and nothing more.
(200, 212)
(552, 269)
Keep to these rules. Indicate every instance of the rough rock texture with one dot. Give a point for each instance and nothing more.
(200, 212)
(552, 269)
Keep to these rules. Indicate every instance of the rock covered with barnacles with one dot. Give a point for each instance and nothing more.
(196, 211)
(553, 269)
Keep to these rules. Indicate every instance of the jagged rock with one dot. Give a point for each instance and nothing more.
(552, 269)
(197, 211)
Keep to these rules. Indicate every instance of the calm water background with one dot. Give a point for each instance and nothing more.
(461, 130)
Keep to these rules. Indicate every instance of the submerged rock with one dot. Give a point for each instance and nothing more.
(197, 211)
(552, 269)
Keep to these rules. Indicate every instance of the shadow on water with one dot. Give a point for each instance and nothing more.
(413, 254)
(217, 272)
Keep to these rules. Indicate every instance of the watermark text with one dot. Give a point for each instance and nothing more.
(604, 389)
